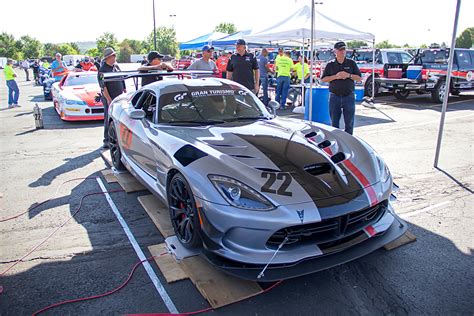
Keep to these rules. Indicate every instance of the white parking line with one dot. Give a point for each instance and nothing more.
(424, 210)
(159, 287)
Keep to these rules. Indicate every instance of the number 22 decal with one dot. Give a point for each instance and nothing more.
(272, 178)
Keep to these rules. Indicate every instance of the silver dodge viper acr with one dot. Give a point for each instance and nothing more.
(261, 197)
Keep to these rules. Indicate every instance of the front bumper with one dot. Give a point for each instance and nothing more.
(82, 113)
(276, 272)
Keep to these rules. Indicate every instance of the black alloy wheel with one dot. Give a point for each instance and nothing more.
(115, 152)
(183, 212)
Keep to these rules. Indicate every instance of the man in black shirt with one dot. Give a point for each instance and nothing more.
(110, 90)
(341, 74)
(243, 67)
(154, 63)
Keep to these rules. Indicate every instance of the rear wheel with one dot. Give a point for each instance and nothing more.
(115, 152)
(401, 94)
(437, 95)
(183, 212)
(368, 87)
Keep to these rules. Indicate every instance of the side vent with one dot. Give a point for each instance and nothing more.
(324, 144)
(187, 154)
(337, 158)
(311, 134)
(318, 168)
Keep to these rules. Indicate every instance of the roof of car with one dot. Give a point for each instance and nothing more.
(185, 84)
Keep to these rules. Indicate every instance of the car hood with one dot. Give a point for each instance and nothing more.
(85, 93)
(323, 162)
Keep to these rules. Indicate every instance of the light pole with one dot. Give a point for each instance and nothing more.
(154, 25)
(310, 107)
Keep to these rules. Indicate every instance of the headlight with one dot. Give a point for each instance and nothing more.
(75, 102)
(383, 169)
(240, 195)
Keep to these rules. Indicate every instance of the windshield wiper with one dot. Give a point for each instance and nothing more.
(246, 118)
(206, 122)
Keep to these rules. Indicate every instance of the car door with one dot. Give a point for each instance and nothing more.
(133, 135)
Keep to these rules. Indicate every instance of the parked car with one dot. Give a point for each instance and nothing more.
(236, 191)
(76, 97)
(428, 74)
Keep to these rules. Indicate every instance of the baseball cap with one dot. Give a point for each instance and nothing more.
(154, 54)
(240, 42)
(205, 48)
(339, 45)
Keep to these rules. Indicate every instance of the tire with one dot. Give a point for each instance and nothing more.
(368, 88)
(455, 92)
(437, 94)
(183, 212)
(115, 151)
(401, 94)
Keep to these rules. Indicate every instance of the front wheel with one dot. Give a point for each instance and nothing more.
(183, 212)
(401, 94)
(437, 95)
(115, 152)
(368, 87)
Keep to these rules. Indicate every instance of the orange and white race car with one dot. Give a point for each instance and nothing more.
(77, 97)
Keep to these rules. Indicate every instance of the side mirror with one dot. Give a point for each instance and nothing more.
(137, 114)
(274, 105)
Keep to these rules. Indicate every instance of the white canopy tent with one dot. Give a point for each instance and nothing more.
(297, 29)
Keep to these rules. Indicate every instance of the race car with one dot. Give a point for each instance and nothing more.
(259, 196)
(76, 97)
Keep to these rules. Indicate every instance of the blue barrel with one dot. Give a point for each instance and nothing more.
(320, 112)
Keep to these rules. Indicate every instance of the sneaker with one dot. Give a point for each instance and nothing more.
(16, 105)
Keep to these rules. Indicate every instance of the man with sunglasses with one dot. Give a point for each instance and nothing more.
(341, 73)
(204, 63)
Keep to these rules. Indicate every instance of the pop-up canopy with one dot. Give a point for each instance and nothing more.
(199, 42)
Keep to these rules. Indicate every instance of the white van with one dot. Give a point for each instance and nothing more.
(71, 60)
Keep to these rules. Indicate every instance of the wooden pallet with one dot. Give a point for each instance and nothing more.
(158, 213)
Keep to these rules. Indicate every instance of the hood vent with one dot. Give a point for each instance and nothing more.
(337, 158)
(242, 156)
(311, 134)
(324, 144)
(318, 168)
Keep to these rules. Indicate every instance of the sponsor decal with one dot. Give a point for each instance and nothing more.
(206, 93)
(301, 215)
(125, 136)
(469, 76)
(180, 96)
(283, 177)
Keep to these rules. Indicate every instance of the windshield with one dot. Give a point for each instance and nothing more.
(76, 80)
(209, 105)
(325, 55)
(365, 57)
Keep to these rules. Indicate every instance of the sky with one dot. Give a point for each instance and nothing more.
(399, 21)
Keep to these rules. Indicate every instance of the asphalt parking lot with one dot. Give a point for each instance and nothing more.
(91, 254)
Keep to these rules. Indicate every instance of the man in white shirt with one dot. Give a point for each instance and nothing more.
(26, 66)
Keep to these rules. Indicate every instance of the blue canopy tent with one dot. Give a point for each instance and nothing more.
(199, 42)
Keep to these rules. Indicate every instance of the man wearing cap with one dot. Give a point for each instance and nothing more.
(154, 63)
(205, 62)
(243, 67)
(58, 67)
(110, 90)
(341, 74)
(13, 91)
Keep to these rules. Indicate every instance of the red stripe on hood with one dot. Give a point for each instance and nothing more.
(88, 96)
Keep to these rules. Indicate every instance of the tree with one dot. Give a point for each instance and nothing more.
(385, 44)
(7, 45)
(67, 49)
(75, 46)
(93, 52)
(356, 44)
(50, 49)
(464, 40)
(224, 27)
(107, 39)
(165, 41)
(423, 46)
(135, 45)
(124, 52)
(31, 47)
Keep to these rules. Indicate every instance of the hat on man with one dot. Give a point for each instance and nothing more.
(339, 45)
(240, 42)
(109, 51)
(154, 54)
(206, 48)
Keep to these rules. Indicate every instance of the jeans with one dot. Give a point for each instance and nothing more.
(264, 81)
(13, 92)
(342, 105)
(283, 85)
(106, 119)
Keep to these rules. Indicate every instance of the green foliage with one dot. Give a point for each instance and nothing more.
(67, 49)
(136, 46)
(75, 46)
(386, 44)
(464, 40)
(356, 44)
(423, 46)
(31, 47)
(224, 27)
(7, 45)
(165, 41)
(124, 52)
(94, 52)
(50, 49)
(107, 39)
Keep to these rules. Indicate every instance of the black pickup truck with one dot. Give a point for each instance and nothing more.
(427, 74)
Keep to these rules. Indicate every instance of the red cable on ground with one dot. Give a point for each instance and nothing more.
(99, 295)
(38, 205)
(54, 231)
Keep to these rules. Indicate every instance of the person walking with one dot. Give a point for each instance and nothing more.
(13, 91)
(264, 68)
(36, 67)
(26, 66)
(283, 68)
(341, 74)
(243, 67)
(110, 90)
